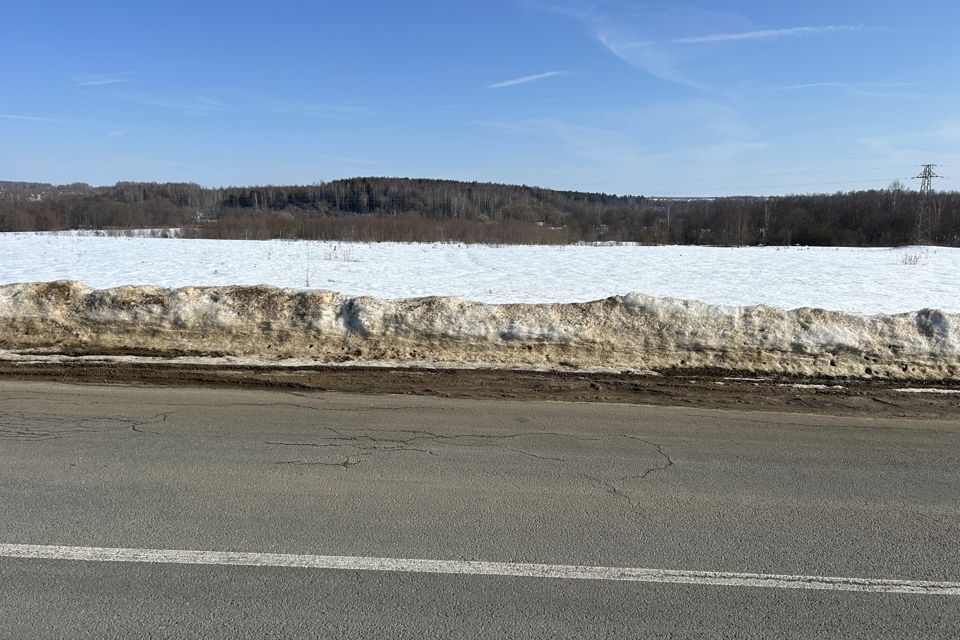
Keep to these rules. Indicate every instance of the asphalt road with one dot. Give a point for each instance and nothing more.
(598, 485)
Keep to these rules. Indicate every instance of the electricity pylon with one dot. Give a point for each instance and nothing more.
(926, 177)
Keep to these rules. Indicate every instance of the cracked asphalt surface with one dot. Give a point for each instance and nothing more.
(494, 480)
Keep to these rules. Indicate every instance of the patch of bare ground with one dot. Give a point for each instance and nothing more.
(685, 388)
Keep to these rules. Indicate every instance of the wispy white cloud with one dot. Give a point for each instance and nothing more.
(118, 133)
(937, 144)
(844, 85)
(662, 39)
(526, 79)
(949, 129)
(97, 83)
(554, 100)
(334, 111)
(588, 142)
(774, 34)
(630, 156)
(349, 160)
(195, 103)
(191, 105)
(860, 89)
(199, 102)
(658, 61)
(633, 36)
(101, 80)
(700, 135)
(682, 123)
(14, 116)
(210, 102)
(725, 152)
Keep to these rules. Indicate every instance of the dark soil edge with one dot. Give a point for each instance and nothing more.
(681, 388)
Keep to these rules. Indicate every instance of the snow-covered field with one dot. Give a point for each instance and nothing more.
(860, 280)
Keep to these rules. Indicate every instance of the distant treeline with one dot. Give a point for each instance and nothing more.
(401, 209)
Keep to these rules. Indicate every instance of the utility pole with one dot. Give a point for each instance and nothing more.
(666, 239)
(765, 229)
(926, 187)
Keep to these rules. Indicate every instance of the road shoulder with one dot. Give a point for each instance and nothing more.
(705, 389)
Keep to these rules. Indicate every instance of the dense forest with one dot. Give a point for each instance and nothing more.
(401, 209)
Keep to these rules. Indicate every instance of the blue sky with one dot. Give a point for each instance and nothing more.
(748, 97)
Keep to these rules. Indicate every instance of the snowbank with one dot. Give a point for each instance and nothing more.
(623, 332)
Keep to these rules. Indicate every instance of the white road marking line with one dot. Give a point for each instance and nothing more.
(470, 567)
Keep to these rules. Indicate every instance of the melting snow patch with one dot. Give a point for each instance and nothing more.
(812, 386)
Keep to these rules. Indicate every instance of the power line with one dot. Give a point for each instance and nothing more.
(744, 176)
(742, 188)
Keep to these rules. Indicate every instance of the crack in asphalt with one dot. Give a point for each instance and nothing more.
(371, 442)
(365, 449)
(362, 444)
(345, 463)
(612, 489)
(368, 444)
(38, 427)
(325, 404)
(724, 414)
(659, 449)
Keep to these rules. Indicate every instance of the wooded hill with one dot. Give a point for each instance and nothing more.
(402, 209)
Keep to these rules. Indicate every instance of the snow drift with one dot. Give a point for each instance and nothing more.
(623, 332)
